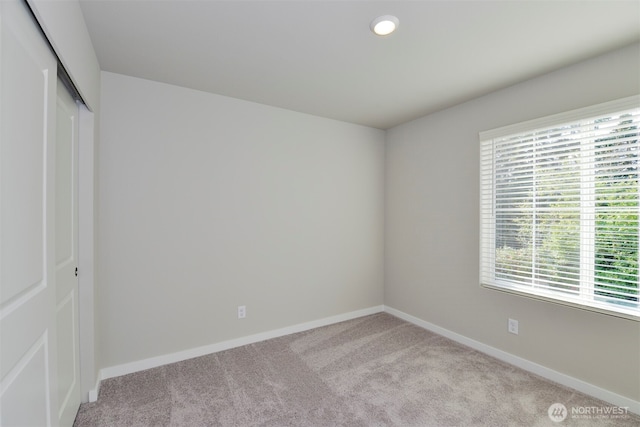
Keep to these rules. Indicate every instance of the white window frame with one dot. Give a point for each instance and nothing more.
(488, 217)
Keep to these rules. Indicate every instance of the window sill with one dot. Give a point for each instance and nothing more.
(596, 308)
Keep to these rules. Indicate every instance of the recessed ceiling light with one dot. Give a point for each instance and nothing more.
(384, 25)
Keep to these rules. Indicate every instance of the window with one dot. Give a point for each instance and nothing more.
(559, 208)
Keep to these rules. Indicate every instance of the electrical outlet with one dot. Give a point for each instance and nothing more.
(513, 326)
(242, 311)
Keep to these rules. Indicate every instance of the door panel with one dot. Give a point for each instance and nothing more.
(67, 256)
(66, 133)
(68, 381)
(28, 383)
(27, 280)
(23, 154)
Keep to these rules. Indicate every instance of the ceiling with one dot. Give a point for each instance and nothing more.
(319, 57)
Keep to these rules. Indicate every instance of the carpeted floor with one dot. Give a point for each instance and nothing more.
(372, 371)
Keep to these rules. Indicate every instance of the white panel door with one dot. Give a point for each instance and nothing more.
(67, 257)
(28, 338)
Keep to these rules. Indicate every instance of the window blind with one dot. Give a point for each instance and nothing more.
(559, 208)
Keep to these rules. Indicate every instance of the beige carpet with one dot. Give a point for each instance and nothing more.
(373, 371)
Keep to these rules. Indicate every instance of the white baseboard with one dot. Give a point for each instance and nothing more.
(93, 393)
(153, 362)
(550, 374)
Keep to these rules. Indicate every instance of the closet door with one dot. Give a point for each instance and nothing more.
(66, 198)
(28, 341)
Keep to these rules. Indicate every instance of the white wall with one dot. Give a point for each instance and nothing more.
(210, 202)
(432, 230)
